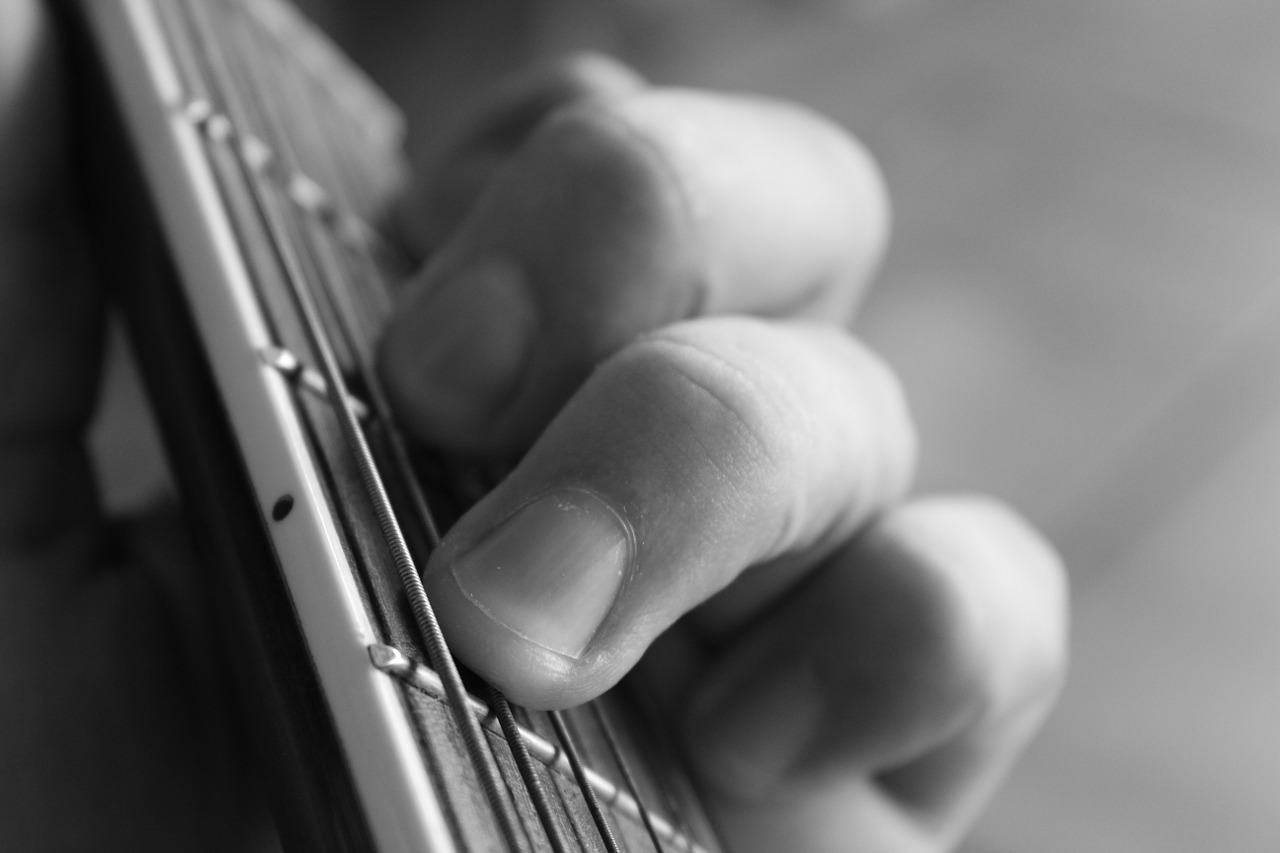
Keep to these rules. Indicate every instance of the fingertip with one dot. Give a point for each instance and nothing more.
(524, 586)
(528, 673)
(945, 616)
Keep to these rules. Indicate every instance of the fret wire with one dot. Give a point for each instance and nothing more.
(628, 777)
(299, 172)
(319, 158)
(395, 662)
(293, 97)
(436, 647)
(519, 752)
(349, 313)
(584, 784)
(524, 762)
(369, 273)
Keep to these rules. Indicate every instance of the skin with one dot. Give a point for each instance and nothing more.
(647, 292)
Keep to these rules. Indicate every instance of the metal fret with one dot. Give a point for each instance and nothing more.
(395, 662)
(307, 378)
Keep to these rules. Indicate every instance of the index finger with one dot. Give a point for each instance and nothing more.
(616, 217)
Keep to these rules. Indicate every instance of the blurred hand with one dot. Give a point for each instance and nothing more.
(644, 292)
(113, 726)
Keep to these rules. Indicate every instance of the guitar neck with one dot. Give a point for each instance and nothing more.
(255, 279)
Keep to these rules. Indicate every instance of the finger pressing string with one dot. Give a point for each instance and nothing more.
(618, 216)
(446, 185)
(697, 452)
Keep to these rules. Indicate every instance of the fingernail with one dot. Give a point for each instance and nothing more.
(550, 572)
(463, 343)
(749, 743)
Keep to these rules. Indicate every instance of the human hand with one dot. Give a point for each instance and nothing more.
(114, 726)
(115, 734)
(646, 296)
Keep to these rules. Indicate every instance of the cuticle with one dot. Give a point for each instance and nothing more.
(628, 572)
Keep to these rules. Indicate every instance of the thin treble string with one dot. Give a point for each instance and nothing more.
(267, 144)
(502, 709)
(357, 343)
(343, 176)
(437, 649)
(610, 738)
(584, 785)
(500, 704)
(528, 771)
(668, 758)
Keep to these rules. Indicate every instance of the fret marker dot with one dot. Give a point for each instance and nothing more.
(282, 507)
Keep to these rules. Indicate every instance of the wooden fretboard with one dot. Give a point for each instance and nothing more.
(266, 160)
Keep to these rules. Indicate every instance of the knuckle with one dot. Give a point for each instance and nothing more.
(601, 217)
(812, 426)
(589, 74)
(744, 416)
(589, 151)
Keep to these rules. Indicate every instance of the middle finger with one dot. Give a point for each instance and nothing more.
(615, 217)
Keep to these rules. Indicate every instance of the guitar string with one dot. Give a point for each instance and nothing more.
(524, 761)
(328, 264)
(484, 763)
(316, 204)
(666, 755)
(395, 662)
(628, 777)
(219, 80)
(345, 316)
(584, 785)
(321, 162)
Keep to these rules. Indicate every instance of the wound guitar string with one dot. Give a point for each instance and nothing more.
(255, 160)
(290, 131)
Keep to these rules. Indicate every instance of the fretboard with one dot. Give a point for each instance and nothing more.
(269, 160)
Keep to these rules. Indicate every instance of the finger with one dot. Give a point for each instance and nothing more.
(446, 186)
(697, 452)
(616, 217)
(885, 698)
(49, 313)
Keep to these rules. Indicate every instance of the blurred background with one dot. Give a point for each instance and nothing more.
(1083, 300)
